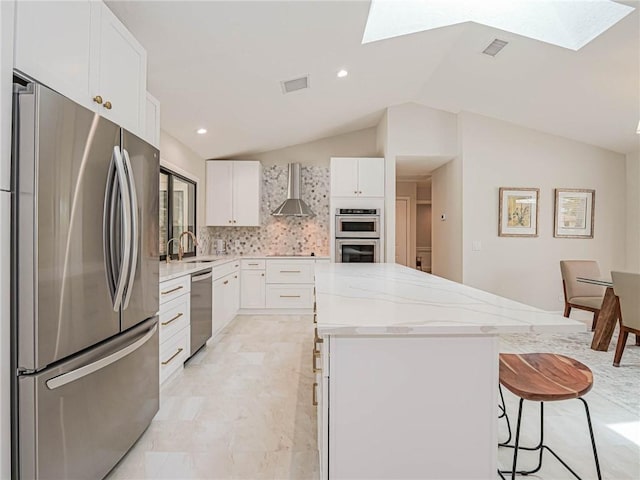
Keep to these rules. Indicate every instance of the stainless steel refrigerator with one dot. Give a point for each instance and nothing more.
(85, 288)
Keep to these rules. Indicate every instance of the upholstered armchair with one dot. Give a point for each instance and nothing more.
(627, 288)
(579, 295)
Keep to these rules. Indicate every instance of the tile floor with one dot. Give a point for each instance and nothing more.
(241, 409)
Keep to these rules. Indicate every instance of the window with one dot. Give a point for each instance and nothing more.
(177, 212)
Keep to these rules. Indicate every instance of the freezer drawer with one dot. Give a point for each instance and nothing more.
(78, 418)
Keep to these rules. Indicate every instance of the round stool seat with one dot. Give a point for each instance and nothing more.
(544, 377)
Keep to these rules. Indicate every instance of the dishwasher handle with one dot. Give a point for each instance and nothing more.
(198, 277)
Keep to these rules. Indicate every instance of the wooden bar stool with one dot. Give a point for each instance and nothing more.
(544, 377)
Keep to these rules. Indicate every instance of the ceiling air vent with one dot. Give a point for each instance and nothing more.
(289, 86)
(494, 47)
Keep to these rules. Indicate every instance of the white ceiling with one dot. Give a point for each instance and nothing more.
(219, 65)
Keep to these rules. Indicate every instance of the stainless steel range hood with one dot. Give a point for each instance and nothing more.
(293, 205)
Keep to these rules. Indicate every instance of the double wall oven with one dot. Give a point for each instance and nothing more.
(357, 237)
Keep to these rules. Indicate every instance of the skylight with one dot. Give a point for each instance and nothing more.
(567, 23)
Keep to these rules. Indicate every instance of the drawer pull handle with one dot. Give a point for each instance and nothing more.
(315, 394)
(262, 275)
(166, 362)
(235, 276)
(315, 318)
(107, 105)
(289, 296)
(253, 264)
(164, 324)
(316, 368)
(172, 290)
(98, 99)
(316, 338)
(289, 271)
(225, 282)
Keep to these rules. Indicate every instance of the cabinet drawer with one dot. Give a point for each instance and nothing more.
(290, 272)
(174, 288)
(220, 271)
(252, 264)
(174, 316)
(289, 296)
(173, 353)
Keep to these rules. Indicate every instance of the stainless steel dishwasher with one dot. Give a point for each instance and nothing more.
(201, 308)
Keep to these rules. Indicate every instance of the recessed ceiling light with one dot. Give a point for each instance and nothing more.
(342, 73)
(201, 131)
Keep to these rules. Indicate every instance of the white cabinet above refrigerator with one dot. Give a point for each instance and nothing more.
(81, 50)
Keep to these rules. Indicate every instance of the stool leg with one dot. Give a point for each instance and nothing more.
(593, 440)
(503, 408)
(515, 451)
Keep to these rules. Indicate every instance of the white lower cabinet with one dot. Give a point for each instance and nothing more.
(252, 289)
(174, 325)
(226, 295)
(289, 296)
(174, 352)
(389, 393)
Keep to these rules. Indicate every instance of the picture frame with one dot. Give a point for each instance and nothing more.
(518, 212)
(574, 213)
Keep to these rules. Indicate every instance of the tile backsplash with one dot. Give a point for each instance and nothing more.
(280, 235)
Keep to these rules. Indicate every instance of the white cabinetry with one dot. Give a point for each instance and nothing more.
(81, 50)
(119, 72)
(174, 325)
(357, 177)
(252, 284)
(53, 44)
(234, 191)
(152, 121)
(226, 294)
(289, 284)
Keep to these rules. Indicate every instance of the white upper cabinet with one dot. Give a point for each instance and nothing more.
(233, 193)
(344, 177)
(357, 177)
(152, 121)
(119, 72)
(81, 50)
(219, 193)
(247, 187)
(53, 45)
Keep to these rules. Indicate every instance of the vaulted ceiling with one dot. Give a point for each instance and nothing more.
(219, 65)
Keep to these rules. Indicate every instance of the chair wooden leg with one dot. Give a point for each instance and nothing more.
(567, 309)
(638, 339)
(622, 342)
(595, 320)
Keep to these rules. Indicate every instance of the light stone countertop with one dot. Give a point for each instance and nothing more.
(175, 269)
(390, 299)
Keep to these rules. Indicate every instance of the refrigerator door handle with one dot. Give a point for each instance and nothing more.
(126, 228)
(108, 230)
(65, 378)
(133, 205)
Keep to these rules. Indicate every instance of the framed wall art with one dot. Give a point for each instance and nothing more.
(574, 213)
(518, 212)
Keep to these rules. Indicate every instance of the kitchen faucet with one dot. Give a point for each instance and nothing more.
(168, 251)
(180, 249)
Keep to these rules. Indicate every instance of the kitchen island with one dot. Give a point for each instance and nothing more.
(407, 382)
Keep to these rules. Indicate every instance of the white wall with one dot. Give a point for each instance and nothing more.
(446, 235)
(6, 66)
(633, 211)
(361, 143)
(498, 154)
(418, 130)
(412, 130)
(179, 158)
